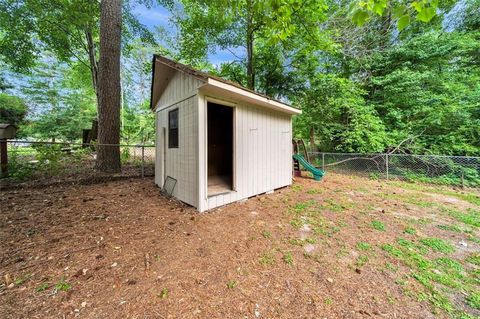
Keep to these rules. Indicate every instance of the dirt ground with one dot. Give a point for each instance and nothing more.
(314, 250)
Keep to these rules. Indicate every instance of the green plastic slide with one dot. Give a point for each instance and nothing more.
(317, 173)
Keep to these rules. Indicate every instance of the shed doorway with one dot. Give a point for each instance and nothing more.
(220, 148)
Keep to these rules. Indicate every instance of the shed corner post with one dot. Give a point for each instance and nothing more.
(201, 153)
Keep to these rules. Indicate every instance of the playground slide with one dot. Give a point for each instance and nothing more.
(317, 173)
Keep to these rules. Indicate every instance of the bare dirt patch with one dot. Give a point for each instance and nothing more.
(121, 249)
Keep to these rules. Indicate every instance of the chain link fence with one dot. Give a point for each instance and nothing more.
(448, 170)
(32, 163)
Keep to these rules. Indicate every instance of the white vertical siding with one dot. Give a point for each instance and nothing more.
(179, 87)
(263, 153)
(180, 163)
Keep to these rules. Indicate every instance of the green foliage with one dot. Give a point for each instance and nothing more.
(378, 225)
(12, 109)
(267, 259)
(336, 110)
(62, 285)
(438, 245)
(42, 287)
(364, 246)
(410, 230)
(474, 300)
(288, 258)
(470, 217)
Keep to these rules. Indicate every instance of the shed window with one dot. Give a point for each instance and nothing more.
(173, 129)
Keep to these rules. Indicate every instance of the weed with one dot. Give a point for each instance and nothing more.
(471, 217)
(297, 187)
(361, 261)
(400, 281)
(410, 230)
(231, 284)
(453, 228)
(445, 271)
(266, 234)
(437, 244)
(42, 287)
(62, 285)
(288, 258)
(267, 259)
(328, 301)
(334, 206)
(363, 246)
(313, 191)
(301, 242)
(378, 225)
(474, 300)
(391, 267)
(342, 252)
(163, 294)
(296, 223)
(474, 259)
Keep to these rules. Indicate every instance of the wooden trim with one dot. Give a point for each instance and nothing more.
(263, 101)
(183, 98)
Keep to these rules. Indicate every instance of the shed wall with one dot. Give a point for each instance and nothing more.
(179, 163)
(263, 152)
(179, 87)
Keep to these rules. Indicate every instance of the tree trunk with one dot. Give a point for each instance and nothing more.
(92, 57)
(249, 39)
(108, 156)
(312, 139)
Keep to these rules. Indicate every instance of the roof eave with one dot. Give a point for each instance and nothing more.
(213, 85)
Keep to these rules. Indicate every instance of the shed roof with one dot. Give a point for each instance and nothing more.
(214, 84)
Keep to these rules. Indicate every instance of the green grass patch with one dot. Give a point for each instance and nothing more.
(436, 275)
(364, 246)
(410, 230)
(62, 285)
(267, 259)
(438, 245)
(453, 228)
(42, 287)
(288, 258)
(474, 300)
(470, 217)
(378, 225)
(361, 261)
(474, 259)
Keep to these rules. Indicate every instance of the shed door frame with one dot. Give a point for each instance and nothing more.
(234, 139)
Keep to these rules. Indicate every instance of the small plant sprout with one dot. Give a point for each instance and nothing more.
(266, 234)
(62, 285)
(288, 258)
(231, 284)
(164, 293)
(361, 261)
(42, 287)
(267, 259)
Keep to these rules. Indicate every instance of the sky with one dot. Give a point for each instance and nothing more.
(159, 16)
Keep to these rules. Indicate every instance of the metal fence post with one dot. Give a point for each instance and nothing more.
(143, 161)
(323, 162)
(386, 164)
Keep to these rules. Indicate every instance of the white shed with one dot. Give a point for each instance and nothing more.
(221, 142)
